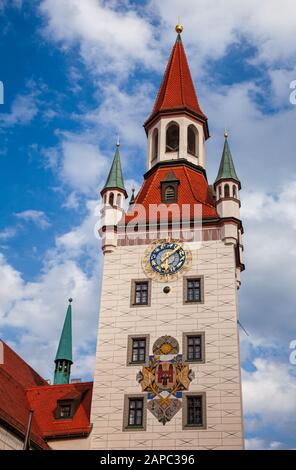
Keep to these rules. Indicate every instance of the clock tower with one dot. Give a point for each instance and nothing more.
(167, 372)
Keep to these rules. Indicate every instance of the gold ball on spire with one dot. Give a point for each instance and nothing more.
(225, 134)
(179, 28)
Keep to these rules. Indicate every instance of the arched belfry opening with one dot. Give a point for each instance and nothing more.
(172, 137)
(192, 140)
(155, 144)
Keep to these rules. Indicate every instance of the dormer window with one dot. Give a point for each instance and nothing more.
(65, 409)
(169, 188)
(172, 137)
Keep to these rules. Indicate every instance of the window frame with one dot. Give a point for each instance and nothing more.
(134, 283)
(202, 396)
(130, 340)
(60, 405)
(201, 334)
(126, 413)
(185, 289)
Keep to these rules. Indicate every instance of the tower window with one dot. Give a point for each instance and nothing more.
(118, 200)
(192, 142)
(234, 192)
(111, 199)
(172, 138)
(155, 144)
(135, 413)
(193, 290)
(226, 190)
(140, 293)
(194, 345)
(194, 411)
(139, 350)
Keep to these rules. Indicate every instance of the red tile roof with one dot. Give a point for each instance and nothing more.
(15, 366)
(193, 189)
(44, 401)
(177, 90)
(22, 389)
(15, 376)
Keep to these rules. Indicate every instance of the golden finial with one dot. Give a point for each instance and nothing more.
(179, 27)
(117, 141)
(225, 134)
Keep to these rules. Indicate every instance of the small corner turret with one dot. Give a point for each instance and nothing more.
(227, 187)
(113, 198)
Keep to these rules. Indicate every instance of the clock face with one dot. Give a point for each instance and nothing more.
(166, 259)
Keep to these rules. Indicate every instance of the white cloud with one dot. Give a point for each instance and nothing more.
(83, 165)
(210, 26)
(262, 444)
(37, 217)
(110, 40)
(80, 239)
(270, 392)
(122, 112)
(24, 109)
(7, 233)
(35, 310)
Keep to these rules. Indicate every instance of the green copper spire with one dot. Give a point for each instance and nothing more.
(227, 170)
(115, 177)
(63, 358)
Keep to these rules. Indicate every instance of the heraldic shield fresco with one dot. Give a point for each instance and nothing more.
(165, 378)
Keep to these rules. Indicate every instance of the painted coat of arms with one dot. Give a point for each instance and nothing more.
(165, 378)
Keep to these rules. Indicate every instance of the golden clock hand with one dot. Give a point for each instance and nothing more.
(166, 258)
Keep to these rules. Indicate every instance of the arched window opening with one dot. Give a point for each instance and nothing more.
(226, 190)
(105, 198)
(169, 194)
(118, 200)
(155, 144)
(172, 138)
(111, 199)
(192, 136)
(220, 192)
(234, 192)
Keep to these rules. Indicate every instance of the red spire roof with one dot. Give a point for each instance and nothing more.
(177, 90)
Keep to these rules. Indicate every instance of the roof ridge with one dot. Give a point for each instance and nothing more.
(55, 386)
(14, 353)
(170, 65)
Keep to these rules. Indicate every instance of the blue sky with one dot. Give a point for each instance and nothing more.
(77, 73)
